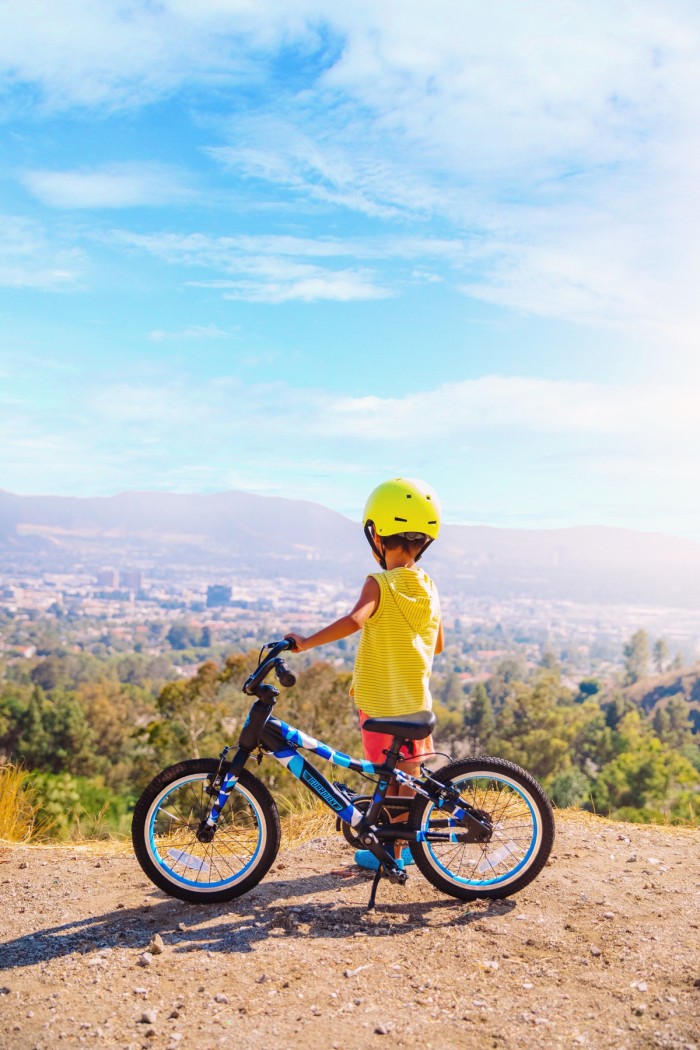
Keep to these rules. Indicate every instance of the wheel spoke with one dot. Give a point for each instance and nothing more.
(175, 823)
(512, 836)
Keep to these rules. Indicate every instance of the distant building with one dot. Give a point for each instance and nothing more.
(131, 579)
(107, 578)
(218, 595)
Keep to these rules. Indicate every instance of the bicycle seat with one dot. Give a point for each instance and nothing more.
(409, 727)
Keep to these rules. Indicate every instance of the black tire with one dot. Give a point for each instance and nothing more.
(522, 838)
(165, 821)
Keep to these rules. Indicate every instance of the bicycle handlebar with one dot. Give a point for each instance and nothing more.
(285, 676)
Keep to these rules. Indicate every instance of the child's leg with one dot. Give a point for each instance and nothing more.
(411, 766)
(375, 746)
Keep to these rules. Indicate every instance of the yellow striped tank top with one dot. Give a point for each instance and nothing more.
(395, 655)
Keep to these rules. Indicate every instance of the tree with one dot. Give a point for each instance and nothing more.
(672, 722)
(588, 687)
(570, 789)
(54, 736)
(14, 702)
(72, 740)
(190, 710)
(479, 719)
(537, 727)
(451, 693)
(178, 637)
(33, 744)
(502, 683)
(448, 735)
(50, 674)
(616, 710)
(661, 654)
(637, 657)
(549, 660)
(646, 779)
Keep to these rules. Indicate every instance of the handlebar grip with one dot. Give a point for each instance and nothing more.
(285, 676)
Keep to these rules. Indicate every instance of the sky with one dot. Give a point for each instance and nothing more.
(299, 247)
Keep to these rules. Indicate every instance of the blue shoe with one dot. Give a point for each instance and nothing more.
(364, 858)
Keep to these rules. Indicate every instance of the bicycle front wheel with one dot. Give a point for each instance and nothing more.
(164, 834)
(523, 831)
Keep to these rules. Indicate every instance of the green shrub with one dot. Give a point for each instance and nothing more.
(79, 807)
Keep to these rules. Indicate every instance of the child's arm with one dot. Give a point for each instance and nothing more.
(440, 643)
(346, 625)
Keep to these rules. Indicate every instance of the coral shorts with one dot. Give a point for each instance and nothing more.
(375, 744)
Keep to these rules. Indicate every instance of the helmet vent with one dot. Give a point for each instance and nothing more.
(432, 523)
(402, 519)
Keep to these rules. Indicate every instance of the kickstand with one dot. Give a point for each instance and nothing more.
(373, 895)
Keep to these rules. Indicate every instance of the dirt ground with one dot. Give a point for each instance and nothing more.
(601, 951)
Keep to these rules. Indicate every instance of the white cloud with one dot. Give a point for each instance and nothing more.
(192, 333)
(103, 53)
(313, 285)
(114, 186)
(31, 258)
(265, 269)
(641, 414)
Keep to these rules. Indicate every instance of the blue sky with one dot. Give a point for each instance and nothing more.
(287, 248)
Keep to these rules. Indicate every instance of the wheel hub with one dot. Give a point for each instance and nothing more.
(205, 832)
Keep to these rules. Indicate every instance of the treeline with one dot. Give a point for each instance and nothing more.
(602, 753)
(94, 731)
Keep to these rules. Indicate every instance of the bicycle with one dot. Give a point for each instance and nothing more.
(207, 830)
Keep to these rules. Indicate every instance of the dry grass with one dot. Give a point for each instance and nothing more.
(315, 822)
(582, 816)
(18, 805)
(299, 825)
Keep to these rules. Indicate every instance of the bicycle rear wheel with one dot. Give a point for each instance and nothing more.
(523, 831)
(164, 834)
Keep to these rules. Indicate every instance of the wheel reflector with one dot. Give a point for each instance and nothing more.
(187, 860)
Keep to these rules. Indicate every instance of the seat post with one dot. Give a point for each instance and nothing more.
(394, 752)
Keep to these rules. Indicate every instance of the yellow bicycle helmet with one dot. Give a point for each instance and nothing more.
(404, 507)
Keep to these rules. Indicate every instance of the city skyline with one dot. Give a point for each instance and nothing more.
(292, 249)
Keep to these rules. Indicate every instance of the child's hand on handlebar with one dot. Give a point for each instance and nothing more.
(299, 641)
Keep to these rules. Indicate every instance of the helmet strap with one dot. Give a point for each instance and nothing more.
(373, 545)
(423, 549)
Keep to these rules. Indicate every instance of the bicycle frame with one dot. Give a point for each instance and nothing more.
(283, 741)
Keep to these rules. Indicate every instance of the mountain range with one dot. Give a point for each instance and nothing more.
(270, 537)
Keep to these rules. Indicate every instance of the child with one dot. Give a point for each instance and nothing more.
(398, 612)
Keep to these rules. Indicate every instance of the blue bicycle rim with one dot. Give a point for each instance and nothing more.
(512, 873)
(204, 887)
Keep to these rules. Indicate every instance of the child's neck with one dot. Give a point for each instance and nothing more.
(398, 559)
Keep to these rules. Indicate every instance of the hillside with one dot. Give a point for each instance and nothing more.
(655, 691)
(269, 536)
(648, 691)
(600, 951)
